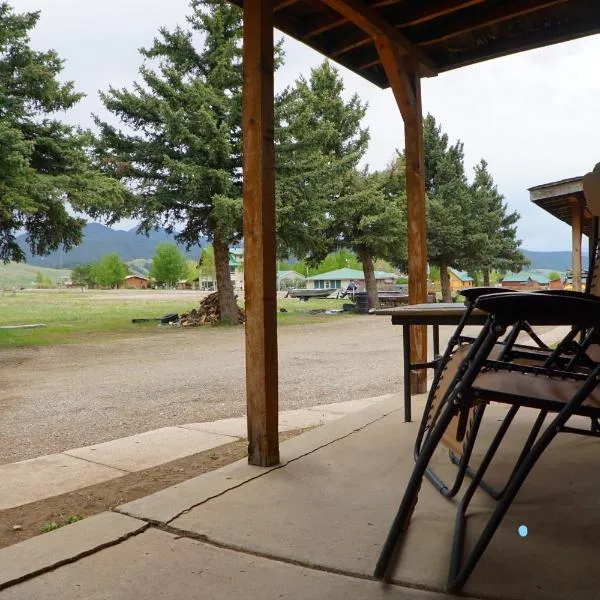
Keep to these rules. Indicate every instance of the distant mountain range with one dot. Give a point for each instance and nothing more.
(99, 240)
(554, 261)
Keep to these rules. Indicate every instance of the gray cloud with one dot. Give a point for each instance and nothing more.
(532, 116)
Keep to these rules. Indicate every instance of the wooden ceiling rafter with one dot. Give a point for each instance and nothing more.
(417, 17)
(505, 12)
(526, 40)
(371, 22)
(485, 29)
(281, 4)
(335, 21)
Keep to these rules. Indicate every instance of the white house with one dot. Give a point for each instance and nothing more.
(341, 278)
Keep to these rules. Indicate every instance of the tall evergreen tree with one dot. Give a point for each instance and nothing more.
(179, 148)
(324, 201)
(371, 219)
(452, 235)
(43, 162)
(499, 247)
(320, 142)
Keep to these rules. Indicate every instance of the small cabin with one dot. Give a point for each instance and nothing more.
(135, 282)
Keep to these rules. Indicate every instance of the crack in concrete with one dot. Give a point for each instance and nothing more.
(267, 471)
(182, 533)
(75, 557)
(95, 462)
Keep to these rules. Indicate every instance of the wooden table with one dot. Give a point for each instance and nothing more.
(435, 314)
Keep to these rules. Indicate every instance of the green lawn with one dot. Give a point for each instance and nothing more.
(75, 316)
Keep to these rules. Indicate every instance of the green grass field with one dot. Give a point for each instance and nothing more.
(74, 316)
(21, 275)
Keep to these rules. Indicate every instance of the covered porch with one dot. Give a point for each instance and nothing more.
(393, 44)
(312, 528)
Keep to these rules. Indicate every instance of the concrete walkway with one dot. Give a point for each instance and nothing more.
(48, 476)
(312, 528)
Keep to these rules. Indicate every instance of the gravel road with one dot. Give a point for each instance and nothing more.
(61, 397)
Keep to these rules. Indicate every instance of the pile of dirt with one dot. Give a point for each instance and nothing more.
(208, 313)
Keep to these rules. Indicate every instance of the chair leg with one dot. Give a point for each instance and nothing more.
(486, 487)
(495, 444)
(458, 574)
(409, 500)
(462, 463)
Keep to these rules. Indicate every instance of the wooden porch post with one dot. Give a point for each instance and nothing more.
(259, 235)
(577, 226)
(405, 81)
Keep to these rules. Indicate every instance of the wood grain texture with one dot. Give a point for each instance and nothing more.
(371, 22)
(406, 86)
(421, 14)
(259, 235)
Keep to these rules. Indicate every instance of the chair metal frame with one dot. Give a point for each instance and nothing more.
(463, 394)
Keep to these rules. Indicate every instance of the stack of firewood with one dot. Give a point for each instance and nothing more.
(208, 313)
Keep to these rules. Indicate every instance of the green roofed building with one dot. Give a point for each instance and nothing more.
(527, 280)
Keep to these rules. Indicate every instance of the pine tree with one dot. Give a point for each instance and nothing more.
(371, 218)
(499, 246)
(452, 237)
(324, 201)
(44, 163)
(320, 142)
(179, 148)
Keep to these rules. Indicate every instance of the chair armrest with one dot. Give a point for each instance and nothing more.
(541, 309)
(471, 294)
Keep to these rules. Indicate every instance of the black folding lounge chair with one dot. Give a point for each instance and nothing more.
(569, 355)
(480, 378)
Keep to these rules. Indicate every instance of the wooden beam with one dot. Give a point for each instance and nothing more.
(405, 82)
(336, 21)
(281, 4)
(576, 231)
(259, 235)
(422, 15)
(371, 22)
(369, 64)
(546, 33)
(504, 12)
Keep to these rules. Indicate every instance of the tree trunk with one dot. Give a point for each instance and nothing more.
(227, 303)
(486, 278)
(445, 281)
(370, 282)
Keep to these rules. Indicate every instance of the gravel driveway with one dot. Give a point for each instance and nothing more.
(55, 398)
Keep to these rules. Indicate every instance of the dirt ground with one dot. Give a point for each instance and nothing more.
(60, 397)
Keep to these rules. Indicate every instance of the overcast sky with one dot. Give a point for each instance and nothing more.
(533, 116)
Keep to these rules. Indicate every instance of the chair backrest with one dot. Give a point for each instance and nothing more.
(591, 192)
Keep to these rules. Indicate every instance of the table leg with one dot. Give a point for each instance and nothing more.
(407, 372)
(436, 341)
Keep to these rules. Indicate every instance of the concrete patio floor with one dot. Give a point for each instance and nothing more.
(313, 527)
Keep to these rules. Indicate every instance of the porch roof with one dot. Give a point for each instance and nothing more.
(557, 198)
(442, 34)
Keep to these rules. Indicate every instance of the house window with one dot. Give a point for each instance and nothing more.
(336, 283)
